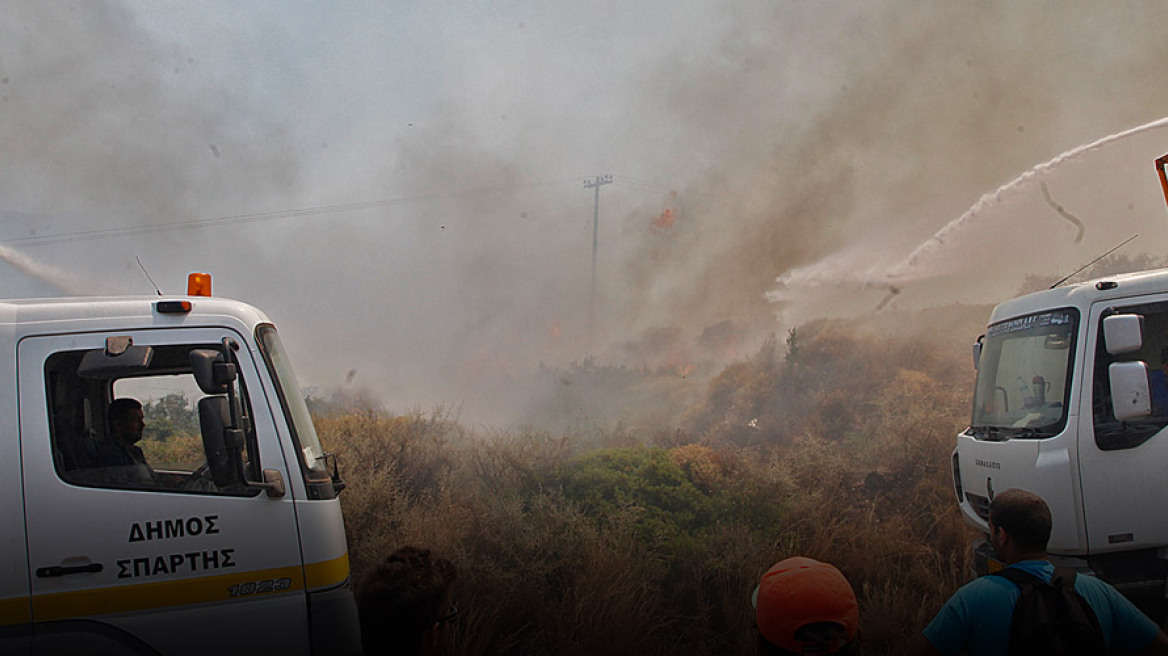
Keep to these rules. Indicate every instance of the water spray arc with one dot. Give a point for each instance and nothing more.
(64, 282)
(938, 240)
(841, 274)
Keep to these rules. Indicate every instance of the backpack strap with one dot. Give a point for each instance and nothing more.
(1063, 577)
(1022, 578)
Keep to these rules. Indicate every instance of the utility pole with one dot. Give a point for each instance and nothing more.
(594, 184)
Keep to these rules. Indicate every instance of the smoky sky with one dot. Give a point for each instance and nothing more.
(402, 188)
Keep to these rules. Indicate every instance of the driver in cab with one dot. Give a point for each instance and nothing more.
(119, 455)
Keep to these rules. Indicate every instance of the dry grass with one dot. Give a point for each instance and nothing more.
(179, 452)
(854, 473)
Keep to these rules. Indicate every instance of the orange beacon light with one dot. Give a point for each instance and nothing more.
(199, 284)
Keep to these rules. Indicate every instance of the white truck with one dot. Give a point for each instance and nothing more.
(234, 546)
(1071, 403)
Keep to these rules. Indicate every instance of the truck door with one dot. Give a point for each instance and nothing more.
(1123, 486)
(15, 613)
(157, 554)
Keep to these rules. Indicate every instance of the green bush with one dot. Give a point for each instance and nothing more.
(668, 505)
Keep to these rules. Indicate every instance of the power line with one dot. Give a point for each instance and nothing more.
(106, 233)
(635, 183)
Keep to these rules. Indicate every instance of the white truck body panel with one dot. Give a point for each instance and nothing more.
(169, 571)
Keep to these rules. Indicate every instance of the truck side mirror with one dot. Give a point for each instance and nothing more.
(977, 352)
(219, 441)
(1123, 333)
(1130, 391)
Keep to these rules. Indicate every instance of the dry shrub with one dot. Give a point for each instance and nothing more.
(392, 464)
(414, 450)
(174, 452)
(711, 610)
(536, 576)
(503, 463)
(700, 464)
(848, 462)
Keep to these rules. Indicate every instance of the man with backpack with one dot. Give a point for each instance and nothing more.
(1032, 608)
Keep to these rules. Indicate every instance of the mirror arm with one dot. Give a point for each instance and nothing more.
(273, 484)
(338, 484)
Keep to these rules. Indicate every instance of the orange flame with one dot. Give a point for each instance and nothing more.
(665, 220)
(668, 216)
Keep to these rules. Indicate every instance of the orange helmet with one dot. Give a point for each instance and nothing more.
(800, 591)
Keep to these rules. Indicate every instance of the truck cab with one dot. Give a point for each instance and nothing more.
(1071, 404)
(220, 533)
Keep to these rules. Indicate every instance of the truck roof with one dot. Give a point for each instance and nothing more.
(1082, 295)
(120, 312)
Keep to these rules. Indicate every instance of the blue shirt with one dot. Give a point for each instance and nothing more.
(976, 619)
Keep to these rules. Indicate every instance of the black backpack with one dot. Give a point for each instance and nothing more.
(1051, 618)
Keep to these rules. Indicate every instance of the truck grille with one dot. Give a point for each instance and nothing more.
(980, 505)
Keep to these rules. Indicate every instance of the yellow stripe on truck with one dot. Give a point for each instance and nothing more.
(328, 573)
(14, 611)
(147, 596)
(184, 592)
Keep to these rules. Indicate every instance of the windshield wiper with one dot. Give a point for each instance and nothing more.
(987, 432)
(1003, 433)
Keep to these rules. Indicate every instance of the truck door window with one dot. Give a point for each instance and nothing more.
(1111, 434)
(100, 442)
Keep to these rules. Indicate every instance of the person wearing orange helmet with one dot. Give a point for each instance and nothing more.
(803, 606)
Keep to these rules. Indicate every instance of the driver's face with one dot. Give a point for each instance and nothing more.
(129, 430)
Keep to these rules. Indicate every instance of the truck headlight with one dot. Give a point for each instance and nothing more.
(957, 479)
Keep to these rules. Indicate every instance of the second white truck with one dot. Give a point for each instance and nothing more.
(1071, 403)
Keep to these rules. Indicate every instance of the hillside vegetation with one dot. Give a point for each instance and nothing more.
(833, 444)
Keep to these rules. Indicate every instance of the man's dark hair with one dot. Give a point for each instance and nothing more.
(401, 599)
(826, 632)
(1024, 515)
(119, 409)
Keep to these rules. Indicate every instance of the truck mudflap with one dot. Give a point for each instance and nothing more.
(335, 628)
(1141, 576)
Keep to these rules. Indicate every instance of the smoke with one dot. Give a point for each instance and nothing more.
(992, 105)
(928, 260)
(767, 158)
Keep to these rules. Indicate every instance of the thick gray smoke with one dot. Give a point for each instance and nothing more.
(768, 158)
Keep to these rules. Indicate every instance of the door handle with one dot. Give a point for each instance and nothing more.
(60, 570)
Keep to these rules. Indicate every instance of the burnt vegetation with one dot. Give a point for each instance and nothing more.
(648, 537)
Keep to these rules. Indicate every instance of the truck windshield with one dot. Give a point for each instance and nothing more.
(1022, 381)
(312, 454)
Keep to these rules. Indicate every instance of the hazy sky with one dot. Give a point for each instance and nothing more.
(401, 185)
